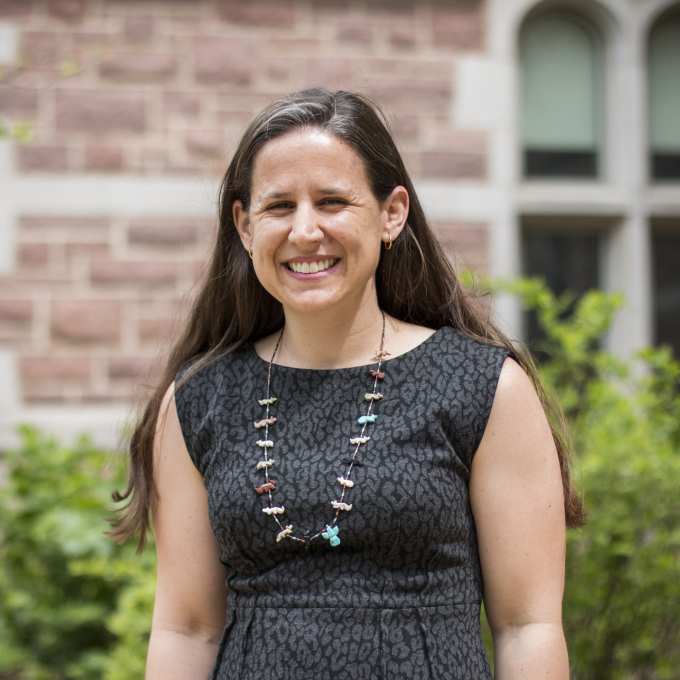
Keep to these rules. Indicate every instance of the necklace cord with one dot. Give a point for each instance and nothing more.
(287, 532)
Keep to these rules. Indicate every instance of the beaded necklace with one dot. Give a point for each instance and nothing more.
(332, 530)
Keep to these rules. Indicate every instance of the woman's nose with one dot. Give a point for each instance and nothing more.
(305, 227)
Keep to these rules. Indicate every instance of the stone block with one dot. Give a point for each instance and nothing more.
(453, 165)
(279, 69)
(183, 103)
(406, 126)
(100, 112)
(38, 47)
(79, 321)
(138, 28)
(103, 158)
(459, 26)
(15, 8)
(152, 330)
(55, 368)
(408, 69)
(393, 7)
(66, 229)
(258, 12)
(67, 9)
(110, 271)
(42, 158)
(208, 143)
(335, 74)
(403, 34)
(33, 253)
(139, 67)
(355, 33)
(462, 235)
(442, 137)
(44, 393)
(18, 101)
(161, 233)
(412, 95)
(223, 60)
(330, 6)
(128, 367)
(295, 47)
(97, 251)
(16, 311)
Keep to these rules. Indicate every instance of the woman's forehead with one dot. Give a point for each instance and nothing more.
(306, 157)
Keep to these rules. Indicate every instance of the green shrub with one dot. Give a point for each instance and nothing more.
(622, 596)
(73, 604)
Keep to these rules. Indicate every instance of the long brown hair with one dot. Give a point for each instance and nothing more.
(415, 282)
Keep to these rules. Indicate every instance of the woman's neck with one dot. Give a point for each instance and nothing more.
(333, 339)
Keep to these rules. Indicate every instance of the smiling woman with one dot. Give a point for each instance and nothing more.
(344, 438)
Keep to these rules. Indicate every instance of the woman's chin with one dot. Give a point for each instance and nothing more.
(311, 302)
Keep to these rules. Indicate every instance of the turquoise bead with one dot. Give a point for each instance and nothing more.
(331, 534)
(367, 419)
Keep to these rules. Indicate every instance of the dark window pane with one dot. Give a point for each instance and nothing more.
(665, 165)
(666, 261)
(566, 262)
(560, 164)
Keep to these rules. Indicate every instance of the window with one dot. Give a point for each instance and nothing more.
(664, 98)
(666, 272)
(567, 260)
(561, 97)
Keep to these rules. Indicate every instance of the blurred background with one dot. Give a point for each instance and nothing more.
(544, 138)
(544, 141)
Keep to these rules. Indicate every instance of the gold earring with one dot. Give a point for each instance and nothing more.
(250, 252)
(388, 246)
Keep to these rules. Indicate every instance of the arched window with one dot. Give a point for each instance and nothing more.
(561, 97)
(664, 98)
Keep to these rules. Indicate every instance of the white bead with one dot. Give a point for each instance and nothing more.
(265, 443)
(264, 402)
(346, 482)
(286, 532)
(274, 511)
(369, 396)
(265, 464)
(341, 506)
(359, 440)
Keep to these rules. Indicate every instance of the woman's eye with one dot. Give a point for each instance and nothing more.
(333, 201)
(279, 206)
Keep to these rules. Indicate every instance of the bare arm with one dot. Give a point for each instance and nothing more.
(190, 608)
(517, 502)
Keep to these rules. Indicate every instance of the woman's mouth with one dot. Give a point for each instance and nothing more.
(311, 267)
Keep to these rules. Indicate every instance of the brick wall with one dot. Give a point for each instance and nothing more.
(123, 87)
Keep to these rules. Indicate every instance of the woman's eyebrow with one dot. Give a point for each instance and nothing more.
(276, 194)
(333, 190)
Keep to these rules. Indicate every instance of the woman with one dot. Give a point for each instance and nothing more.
(344, 437)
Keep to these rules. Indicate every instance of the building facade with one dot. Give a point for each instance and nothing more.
(544, 138)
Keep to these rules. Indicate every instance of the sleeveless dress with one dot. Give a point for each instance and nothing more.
(399, 598)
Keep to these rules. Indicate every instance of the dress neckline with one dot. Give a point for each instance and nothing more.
(348, 369)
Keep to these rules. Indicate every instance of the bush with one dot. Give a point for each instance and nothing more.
(622, 596)
(73, 604)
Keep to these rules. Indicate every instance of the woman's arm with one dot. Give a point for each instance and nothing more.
(517, 502)
(190, 608)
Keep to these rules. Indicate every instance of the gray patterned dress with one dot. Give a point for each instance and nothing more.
(399, 598)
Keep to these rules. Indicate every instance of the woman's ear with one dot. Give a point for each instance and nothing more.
(242, 222)
(396, 213)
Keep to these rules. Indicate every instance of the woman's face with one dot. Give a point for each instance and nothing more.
(314, 225)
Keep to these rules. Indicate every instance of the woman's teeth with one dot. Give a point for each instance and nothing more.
(311, 267)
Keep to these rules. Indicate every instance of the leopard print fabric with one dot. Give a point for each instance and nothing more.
(399, 598)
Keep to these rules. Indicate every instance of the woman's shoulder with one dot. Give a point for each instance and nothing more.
(204, 372)
(451, 340)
